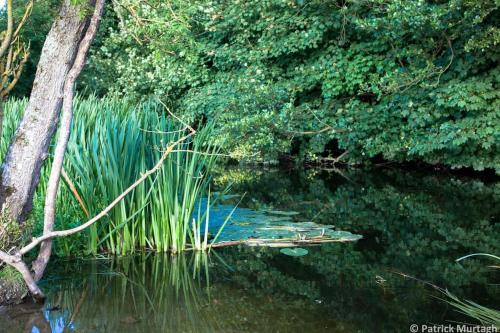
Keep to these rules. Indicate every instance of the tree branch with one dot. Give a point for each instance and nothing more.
(105, 211)
(17, 74)
(8, 33)
(27, 13)
(16, 262)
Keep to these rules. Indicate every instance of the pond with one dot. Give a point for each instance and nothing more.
(413, 224)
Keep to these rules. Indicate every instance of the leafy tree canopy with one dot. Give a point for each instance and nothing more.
(401, 80)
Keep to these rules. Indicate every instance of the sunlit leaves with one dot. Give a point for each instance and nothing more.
(404, 80)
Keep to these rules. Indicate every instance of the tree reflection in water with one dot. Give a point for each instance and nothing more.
(411, 223)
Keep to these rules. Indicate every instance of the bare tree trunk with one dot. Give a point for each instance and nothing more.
(42, 260)
(28, 150)
(21, 168)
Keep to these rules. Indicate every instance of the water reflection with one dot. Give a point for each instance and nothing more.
(133, 294)
(411, 223)
(416, 223)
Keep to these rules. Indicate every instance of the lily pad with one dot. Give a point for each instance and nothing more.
(344, 235)
(270, 228)
(294, 251)
(283, 213)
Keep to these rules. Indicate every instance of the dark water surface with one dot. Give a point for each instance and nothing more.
(414, 224)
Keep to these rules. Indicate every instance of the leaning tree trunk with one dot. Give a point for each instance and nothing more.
(21, 167)
(29, 148)
(43, 258)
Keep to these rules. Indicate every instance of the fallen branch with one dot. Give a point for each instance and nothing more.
(17, 262)
(285, 242)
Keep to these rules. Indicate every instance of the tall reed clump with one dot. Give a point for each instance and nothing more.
(112, 143)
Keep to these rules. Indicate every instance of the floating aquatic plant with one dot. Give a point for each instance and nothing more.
(294, 252)
(266, 228)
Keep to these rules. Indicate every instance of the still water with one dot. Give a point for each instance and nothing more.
(412, 225)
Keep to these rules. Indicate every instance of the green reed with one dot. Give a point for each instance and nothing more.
(112, 143)
(13, 111)
(485, 315)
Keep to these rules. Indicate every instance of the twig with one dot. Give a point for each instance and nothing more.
(199, 152)
(173, 115)
(325, 129)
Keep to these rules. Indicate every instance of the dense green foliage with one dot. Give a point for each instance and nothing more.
(111, 145)
(390, 80)
(401, 80)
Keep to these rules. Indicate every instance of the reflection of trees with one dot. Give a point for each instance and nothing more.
(411, 223)
(345, 295)
(418, 224)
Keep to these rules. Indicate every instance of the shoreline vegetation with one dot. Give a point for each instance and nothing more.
(115, 158)
(111, 145)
